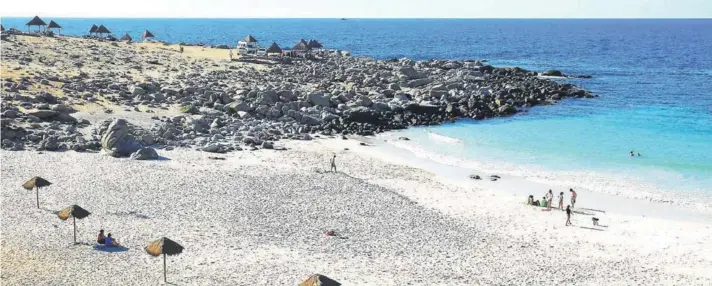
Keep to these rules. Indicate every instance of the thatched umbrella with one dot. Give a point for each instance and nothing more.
(319, 280)
(274, 49)
(36, 183)
(2, 28)
(301, 46)
(102, 30)
(147, 35)
(36, 21)
(164, 246)
(314, 44)
(126, 38)
(93, 29)
(54, 25)
(76, 212)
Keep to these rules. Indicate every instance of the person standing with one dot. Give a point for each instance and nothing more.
(549, 199)
(230, 54)
(569, 213)
(333, 163)
(573, 197)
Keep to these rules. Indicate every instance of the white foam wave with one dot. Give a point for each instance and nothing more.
(443, 138)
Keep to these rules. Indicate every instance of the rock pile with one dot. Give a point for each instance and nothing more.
(227, 107)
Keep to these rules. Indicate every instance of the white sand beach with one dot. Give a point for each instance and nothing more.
(258, 218)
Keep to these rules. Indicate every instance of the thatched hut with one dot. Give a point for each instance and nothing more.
(274, 49)
(126, 38)
(93, 29)
(301, 49)
(54, 25)
(2, 28)
(315, 45)
(36, 21)
(101, 30)
(248, 45)
(147, 35)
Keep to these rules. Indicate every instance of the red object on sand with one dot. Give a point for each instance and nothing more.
(329, 233)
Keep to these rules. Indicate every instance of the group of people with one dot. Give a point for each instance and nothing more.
(106, 240)
(547, 202)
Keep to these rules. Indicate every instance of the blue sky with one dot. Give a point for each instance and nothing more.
(363, 8)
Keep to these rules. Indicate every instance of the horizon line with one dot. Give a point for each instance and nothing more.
(372, 18)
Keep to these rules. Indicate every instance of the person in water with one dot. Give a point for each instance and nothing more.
(569, 213)
(573, 197)
(561, 201)
(100, 239)
(631, 154)
(639, 154)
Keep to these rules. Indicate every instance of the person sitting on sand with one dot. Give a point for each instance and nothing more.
(100, 239)
(543, 202)
(536, 203)
(573, 197)
(109, 241)
(561, 201)
(530, 200)
(569, 213)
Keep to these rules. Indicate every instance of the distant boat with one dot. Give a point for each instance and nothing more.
(343, 19)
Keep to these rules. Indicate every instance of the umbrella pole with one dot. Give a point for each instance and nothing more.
(37, 194)
(164, 269)
(75, 228)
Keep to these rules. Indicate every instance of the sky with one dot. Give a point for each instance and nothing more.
(360, 8)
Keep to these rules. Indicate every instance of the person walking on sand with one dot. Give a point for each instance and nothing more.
(333, 163)
(549, 199)
(573, 197)
(561, 201)
(230, 54)
(569, 213)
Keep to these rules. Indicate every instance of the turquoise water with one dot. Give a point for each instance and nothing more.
(654, 78)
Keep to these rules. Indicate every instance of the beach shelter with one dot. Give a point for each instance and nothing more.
(301, 48)
(314, 44)
(319, 280)
(76, 212)
(164, 246)
(93, 29)
(274, 49)
(54, 25)
(249, 39)
(126, 38)
(36, 183)
(147, 35)
(2, 28)
(102, 30)
(36, 21)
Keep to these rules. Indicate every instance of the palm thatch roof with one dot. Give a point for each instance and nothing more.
(73, 211)
(126, 38)
(274, 49)
(314, 44)
(102, 30)
(38, 182)
(164, 246)
(93, 29)
(53, 25)
(148, 34)
(249, 39)
(319, 280)
(36, 21)
(2, 28)
(301, 46)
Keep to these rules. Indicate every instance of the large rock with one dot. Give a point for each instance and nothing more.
(43, 114)
(145, 153)
(552, 73)
(410, 73)
(419, 82)
(117, 141)
(362, 115)
(316, 98)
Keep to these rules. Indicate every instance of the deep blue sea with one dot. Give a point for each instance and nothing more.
(654, 78)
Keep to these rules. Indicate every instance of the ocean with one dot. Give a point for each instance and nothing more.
(654, 78)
